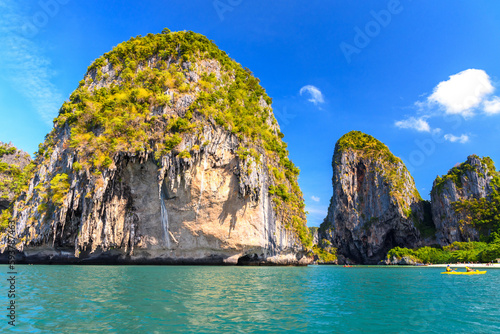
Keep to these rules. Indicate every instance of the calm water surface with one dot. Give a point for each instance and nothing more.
(314, 299)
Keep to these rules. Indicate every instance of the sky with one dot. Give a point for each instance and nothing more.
(420, 76)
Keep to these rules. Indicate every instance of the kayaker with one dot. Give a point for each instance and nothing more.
(469, 269)
(448, 269)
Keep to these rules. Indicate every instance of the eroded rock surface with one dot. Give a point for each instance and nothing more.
(166, 153)
(375, 205)
(12, 163)
(469, 180)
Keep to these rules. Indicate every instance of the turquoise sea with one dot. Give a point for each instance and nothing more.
(204, 299)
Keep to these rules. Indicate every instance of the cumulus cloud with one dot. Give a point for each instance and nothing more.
(315, 93)
(492, 107)
(314, 198)
(462, 92)
(460, 139)
(419, 124)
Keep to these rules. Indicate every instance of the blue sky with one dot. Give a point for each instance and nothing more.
(421, 76)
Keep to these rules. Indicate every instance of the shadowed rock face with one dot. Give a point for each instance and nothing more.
(374, 203)
(199, 202)
(470, 180)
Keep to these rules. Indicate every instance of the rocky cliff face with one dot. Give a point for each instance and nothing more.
(375, 205)
(12, 163)
(168, 152)
(471, 180)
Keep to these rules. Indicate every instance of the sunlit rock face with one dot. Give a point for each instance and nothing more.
(168, 152)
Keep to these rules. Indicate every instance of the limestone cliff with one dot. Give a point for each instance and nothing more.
(168, 152)
(12, 164)
(375, 205)
(454, 194)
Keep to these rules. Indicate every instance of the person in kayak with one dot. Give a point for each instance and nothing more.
(449, 269)
(469, 269)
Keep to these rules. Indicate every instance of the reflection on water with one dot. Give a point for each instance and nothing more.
(160, 299)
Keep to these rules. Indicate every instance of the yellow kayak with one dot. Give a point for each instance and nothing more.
(464, 272)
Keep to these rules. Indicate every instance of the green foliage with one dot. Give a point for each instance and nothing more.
(77, 166)
(59, 187)
(299, 225)
(5, 218)
(184, 154)
(281, 191)
(325, 255)
(13, 181)
(490, 165)
(426, 227)
(179, 125)
(6, 150)
(277, 174)
(457, 173)
(483, 213)
(324, 250)
(128, 114)
(456, 252)
(407, 212)
(359, 141)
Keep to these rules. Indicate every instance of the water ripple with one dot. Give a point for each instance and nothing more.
(154, 299)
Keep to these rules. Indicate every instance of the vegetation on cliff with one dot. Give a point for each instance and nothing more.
(393, 168)
(456, 252)
(117, 109)
(457, 173)
(483, 213)
(368, 145)
(325, 252)
(14, 177)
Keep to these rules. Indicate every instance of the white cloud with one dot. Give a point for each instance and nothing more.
(25, 66)
(452, 138)
(492, 106)
(314, 198)
(316, 95)
(418, 124)
(462, 92)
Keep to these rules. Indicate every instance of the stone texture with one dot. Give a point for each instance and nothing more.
(370, 211)
(18, 159)
(474, 183)
(404, 261)
(211, 208)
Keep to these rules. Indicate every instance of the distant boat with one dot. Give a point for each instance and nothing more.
(464, 272)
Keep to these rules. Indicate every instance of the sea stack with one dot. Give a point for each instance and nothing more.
(168, 152)
(458, 197)
(375, 205)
